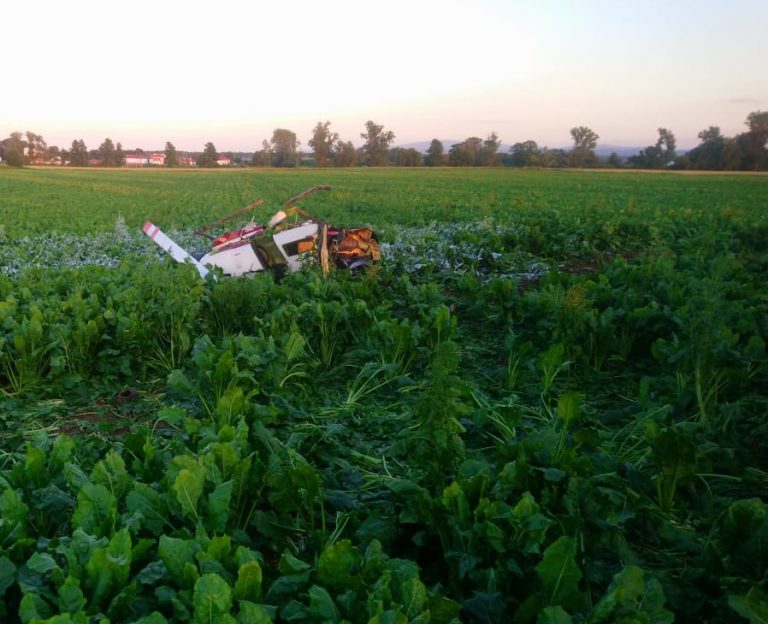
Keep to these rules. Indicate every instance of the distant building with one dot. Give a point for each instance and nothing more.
(186, 161)
(136, 160)
(157, 159)
(223, 161)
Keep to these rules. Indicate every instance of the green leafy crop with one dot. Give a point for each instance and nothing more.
(545, 405)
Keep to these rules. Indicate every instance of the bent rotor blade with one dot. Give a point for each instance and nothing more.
(176, 252)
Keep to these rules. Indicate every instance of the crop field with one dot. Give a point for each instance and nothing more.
(547, 404)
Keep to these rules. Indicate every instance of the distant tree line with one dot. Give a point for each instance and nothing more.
(745, 151)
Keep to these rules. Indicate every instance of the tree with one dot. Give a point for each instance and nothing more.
(13, 156)
(406, 157)
(754, 140)
(12, 149)
(584, 143)
(709, 153)
(78, 155)
(262, 157)
(284, 146)
(435, 154)
(171, 157)
(733, 155)
(36, 147)
(322, 143)
(757, 122)
(525, 154)
(119, 155)
(657, 156)
(488, 156)
(209, 157)
(344, 154)
(556, 157)
(107, 154)
(666, 145)
(648, 158)
(614, 160)
(466, 153)
(376, 144)
(53, 155)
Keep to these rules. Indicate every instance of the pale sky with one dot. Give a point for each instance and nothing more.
(146, 72)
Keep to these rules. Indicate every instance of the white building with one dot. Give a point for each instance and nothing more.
(136, 160)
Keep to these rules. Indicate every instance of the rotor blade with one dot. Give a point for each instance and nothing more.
(309, 191)
(202, 230)
(176, 252)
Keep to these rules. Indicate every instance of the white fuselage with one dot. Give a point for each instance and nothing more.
(240, 258)
(234, 260)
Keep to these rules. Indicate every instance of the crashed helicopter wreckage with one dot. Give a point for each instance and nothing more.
(277, 246)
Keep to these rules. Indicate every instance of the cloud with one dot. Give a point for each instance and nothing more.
(746, 100)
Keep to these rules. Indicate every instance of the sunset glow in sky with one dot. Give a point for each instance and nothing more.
(143, 73)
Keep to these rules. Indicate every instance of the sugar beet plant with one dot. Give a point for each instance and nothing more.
(458, 441)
